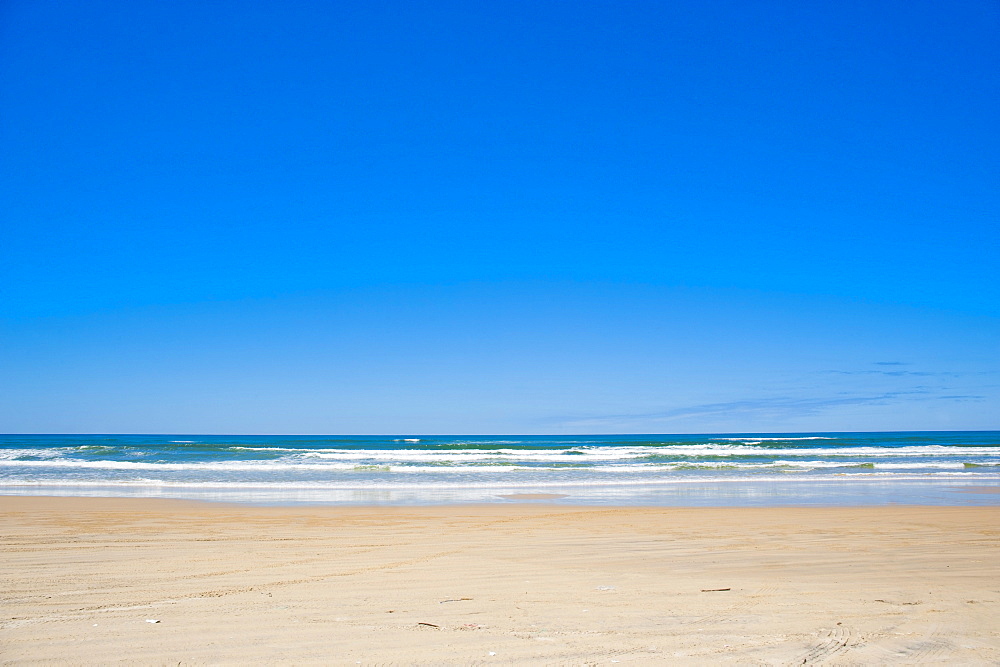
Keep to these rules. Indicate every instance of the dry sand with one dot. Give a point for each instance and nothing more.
(506, 583)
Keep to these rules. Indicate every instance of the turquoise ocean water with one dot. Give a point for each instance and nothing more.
(952, 468)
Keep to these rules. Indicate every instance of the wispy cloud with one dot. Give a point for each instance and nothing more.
(819, 393)
(775, 407)
(961, 397)
(902, 373)
(898, 373)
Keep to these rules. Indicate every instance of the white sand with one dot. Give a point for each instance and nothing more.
(495, 584)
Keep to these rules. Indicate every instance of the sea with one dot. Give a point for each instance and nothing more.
(741, 469)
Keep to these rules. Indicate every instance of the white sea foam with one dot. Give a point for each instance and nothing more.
(12, 454)
(454, 443)
(316, 459)
(514, 484)
(410, 469)
(274, 449)
(264, 467)
(627, 452)
(918, 466)
(760, 439)
(142, 465)
(604, 454)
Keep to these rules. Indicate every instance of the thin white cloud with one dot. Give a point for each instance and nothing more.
(780, 407)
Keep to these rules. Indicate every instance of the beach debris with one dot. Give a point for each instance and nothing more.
(715, 590)
(493, 652)
(152, 620)
(429, 625)
(605, 588)
(454, 600)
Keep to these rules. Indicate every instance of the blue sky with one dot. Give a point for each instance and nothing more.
(527, 217)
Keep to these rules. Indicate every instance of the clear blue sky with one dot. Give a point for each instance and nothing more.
(513, 217)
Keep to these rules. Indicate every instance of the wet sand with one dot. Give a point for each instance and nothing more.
(509, 583)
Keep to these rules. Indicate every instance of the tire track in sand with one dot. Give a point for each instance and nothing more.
(729, 613)
(834, 642)
(222, 592)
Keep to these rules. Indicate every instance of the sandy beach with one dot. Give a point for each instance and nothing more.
(88, 580)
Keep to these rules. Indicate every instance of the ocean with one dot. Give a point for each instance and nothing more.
(939, 468)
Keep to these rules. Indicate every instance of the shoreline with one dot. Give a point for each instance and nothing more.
(525, 581)
(777, 492)
(180, 507)
(553, 501)
(803, 469)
